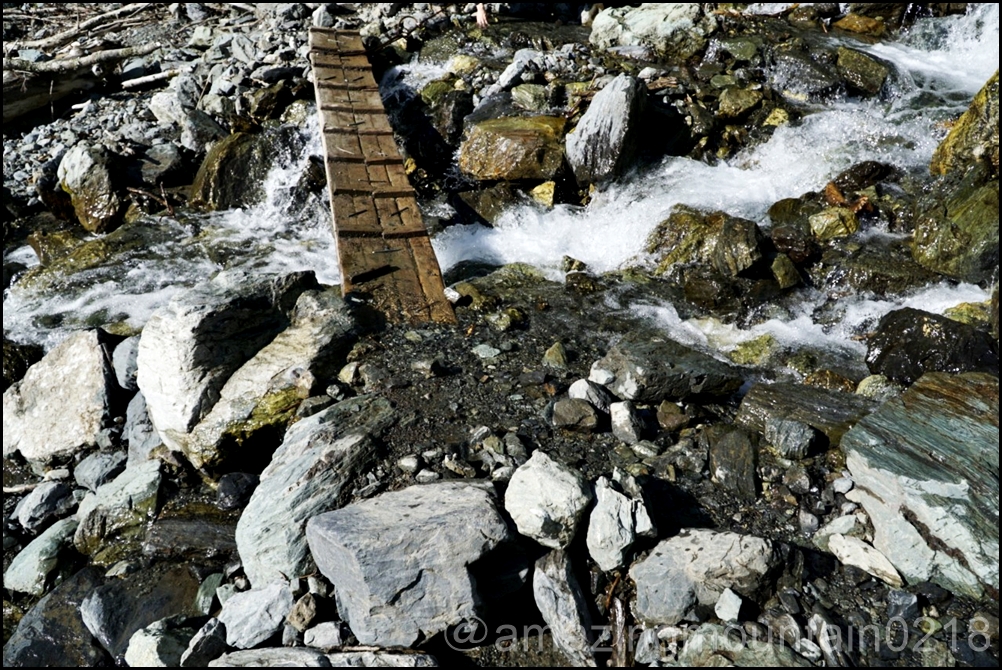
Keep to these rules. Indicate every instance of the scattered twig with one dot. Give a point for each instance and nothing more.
(150, 79)
(620, 646)
(18, 490)
(68, 36)
(74, 64)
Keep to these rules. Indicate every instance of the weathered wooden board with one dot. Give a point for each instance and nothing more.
(384, 250)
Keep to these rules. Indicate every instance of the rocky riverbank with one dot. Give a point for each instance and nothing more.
(245, 468)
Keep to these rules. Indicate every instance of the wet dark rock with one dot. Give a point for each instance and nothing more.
(113, 613)
(929, 494)
(161, 165)
(736, 102)
(650, 370)
(686, 236)
(881, 267)
(995, 314)
(514, 149)
(190, 539)
(975, 137)
(564, 607)
(98, 469)
(400, 583)
(608, 137)
(791, 439)
(235, 490)
(88, 175)
(902, 606)
(738, 248)
(800, 78)
(733, 461)
(909, 343)
(791, 228)
(208, 644)
(830, 412)
(575, 415)
(448, 112)
(488, 204)
(51, 246)
(862, 72)
(862, 25)
(234, 171)
(309, 474)
(52, 633)
(113, 519)
(125, 361)
(17, 358)
(671, 417)
(862, 176)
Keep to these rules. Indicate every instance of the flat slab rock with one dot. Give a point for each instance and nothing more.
(401, 562)
(832, 413)
(308, 658)
(926, 471)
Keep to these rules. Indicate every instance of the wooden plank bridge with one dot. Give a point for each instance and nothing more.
(384, 250)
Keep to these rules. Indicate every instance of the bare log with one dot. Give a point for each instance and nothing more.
(68, 36)
(67, 65)
(150, 79)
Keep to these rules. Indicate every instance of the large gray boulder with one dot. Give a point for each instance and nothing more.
(614, 526)
(252, 617)
(266, 391)
(112, 521)
(608, 137)
(674, 30)
(86, 174)
(649, 370)
(695, 569)
(273, 658)
(564, 608)
(547, 501)
(30, 569)
(190, 348)
(400, 563)
(926, 472)
(309, 475)
(63, 403)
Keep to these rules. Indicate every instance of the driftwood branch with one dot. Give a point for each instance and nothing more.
(68, 36)
(150, 79)
(73, 64)
(18, 490)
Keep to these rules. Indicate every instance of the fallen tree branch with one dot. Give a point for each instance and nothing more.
(150, 79)
(73, 64)
(68, 36)
(18, 490)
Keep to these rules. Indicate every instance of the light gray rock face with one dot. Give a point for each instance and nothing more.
(307, 477)
(141, 435)
(51, 501)
(925, 468)
(791, 439)
(86, 174)
(712, 647)
(597, 396)
(267, 389)
(62, 404)
(190, 348)
(696, 568)
(126, 363)
(206, 646)
(673, 29)
(547, 501)
(370, 659)
(564, 608)
(98, 469)
(273, 658)
(158, 646)
(649, 371)
(614, 526)
(627, 425)
(30, 569)
(607, 139)
(252, 617)
(853, 551)
(326, 637)
(113, 519)
(176, 107)
(400, 563)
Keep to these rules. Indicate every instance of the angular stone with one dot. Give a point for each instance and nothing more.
(398, 583)
(834, 223)
(564, 608)
(728, 608)
(273, 658)
(909, 343)
(575, 415)
(614, 525)
(50, 502)
(594, 394)
(829, 412)
(63, 403)
(266, 391)
(547, 501)
(531, 97)
(879, 388)
(310, 474)
(627, 424)
(737, 247)
(791, 439)
(556, 357)
(686, 236)
(86, 174)
(862, 72)
(975, 136)
(649, 370)
(677, 31)
(851, 551)
(925, 467)
(255, 616)
(713, 646)
(695, 568)
(326, 637)
(142, 437)
(848, 526)
(159, 646)
(608, 138)
(800, 78)
(206, 646)
(30, 569)
(734, 461)
(113, 519)
(514, 149)
(126, 364)
(736, 102)
(190, 348)
(98, 469)
(52, 633)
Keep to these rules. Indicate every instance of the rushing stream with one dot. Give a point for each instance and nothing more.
(941, 65)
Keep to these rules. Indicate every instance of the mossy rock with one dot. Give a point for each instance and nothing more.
(862, 73)
(686, 236)
(755, 353)
(975, 137)
(977, 314)
(514, 149)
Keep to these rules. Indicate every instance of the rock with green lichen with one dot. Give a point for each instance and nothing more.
(975, 137)
(514, 149)
(978, 314)
(113, 520)
(785, 272)
(757, 352)
(686, 236)
(87, 174)
(862, 73)
(834, 223)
